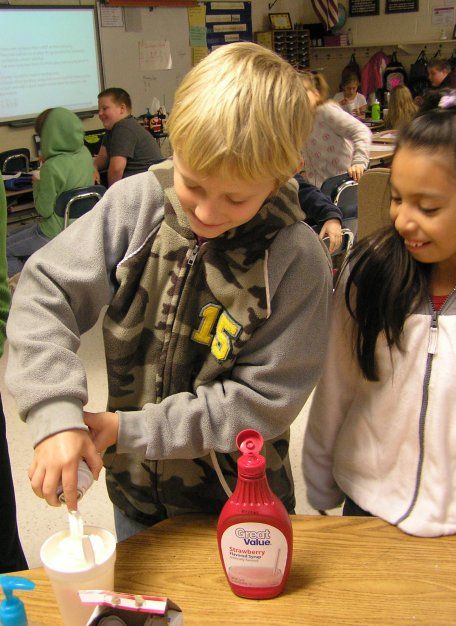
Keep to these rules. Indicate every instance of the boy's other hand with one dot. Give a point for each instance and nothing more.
(57, 458)
(333, 230)
(103, 427)
(355, 172)
(96, 176)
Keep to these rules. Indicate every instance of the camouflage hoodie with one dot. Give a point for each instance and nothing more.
(211, 301)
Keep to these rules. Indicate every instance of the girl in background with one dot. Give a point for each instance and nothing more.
(382, 427)
(349, 98)
(339, 143)
(401, 108)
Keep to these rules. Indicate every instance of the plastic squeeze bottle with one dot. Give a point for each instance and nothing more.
(254, 531)
(12, 610)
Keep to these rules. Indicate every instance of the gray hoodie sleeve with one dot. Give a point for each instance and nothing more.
(272, 377)
(62, 289)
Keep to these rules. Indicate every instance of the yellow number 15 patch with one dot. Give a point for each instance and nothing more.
(226, 330)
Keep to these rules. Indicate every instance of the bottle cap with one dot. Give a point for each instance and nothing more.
(250, 464)
(12, 610)
(249, 441)
(85, 480)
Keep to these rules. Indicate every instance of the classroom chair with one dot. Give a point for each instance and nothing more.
(17, 160)
(343, 191)
(340, 256)
(76, 202)
(374, 199)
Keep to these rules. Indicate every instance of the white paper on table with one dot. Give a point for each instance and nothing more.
(378, 147)
(155, 55)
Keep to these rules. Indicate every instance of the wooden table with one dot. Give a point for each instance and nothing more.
(346, 571)
(380, 154)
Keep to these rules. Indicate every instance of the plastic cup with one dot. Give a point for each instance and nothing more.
(68, 578)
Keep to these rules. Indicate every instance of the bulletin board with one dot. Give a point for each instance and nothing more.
(227, 22)
(363, 8)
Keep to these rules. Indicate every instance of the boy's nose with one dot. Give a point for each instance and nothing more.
(206, 211)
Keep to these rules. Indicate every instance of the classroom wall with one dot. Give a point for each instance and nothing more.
(120, 48)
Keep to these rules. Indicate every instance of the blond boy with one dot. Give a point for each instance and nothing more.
(217, 297)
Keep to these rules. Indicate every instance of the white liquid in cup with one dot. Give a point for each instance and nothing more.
(69, 572)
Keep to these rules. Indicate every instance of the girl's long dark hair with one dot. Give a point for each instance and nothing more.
(386, 284)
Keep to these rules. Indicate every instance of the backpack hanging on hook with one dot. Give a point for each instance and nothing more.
(351, 68)
(418, 81)
(394, 74)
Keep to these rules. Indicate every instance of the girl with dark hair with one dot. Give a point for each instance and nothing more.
(382, 426)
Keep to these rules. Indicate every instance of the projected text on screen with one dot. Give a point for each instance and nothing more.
(49, 58)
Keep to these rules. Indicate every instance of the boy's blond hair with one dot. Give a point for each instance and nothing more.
(242, 111)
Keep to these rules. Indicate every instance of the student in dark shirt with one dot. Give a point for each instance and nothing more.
(127, 147)
(439, 73)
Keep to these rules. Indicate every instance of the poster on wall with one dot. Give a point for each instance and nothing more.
(401, 6)
(442, 16)
(362, 8)
(227, 22)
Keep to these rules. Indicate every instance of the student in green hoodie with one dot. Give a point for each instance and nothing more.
(12, 557)
(67, 164)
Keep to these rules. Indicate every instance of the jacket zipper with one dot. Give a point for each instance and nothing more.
(432, 350)
(193, 254)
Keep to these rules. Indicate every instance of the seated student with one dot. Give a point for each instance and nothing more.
(218, 303)
(66, 164)
(127, 148)
(338, 143)
(320, 212)
(349, 98)
(401, 108)
(439, 73)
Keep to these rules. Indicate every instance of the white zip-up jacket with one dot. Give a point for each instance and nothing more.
(389, 445)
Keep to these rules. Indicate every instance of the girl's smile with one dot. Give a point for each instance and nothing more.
(423, 205)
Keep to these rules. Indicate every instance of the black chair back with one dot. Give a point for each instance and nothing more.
(343, 191)
(17, 160)
(76, 202)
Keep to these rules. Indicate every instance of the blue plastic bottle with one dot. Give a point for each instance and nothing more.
(12, 610)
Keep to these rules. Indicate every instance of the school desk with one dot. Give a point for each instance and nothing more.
(346, 571)
(380, 154)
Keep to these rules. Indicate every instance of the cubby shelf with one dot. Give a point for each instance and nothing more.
(390, 44)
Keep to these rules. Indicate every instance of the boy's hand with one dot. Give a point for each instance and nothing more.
(57, 458)
(96, 176)
(333, 230)
(103, 427)
(355, 172)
